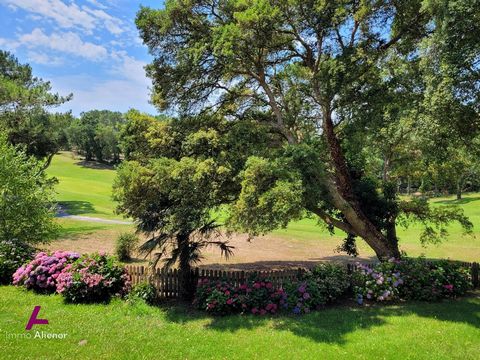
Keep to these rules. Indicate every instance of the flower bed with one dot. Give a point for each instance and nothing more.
(409, 279)
(79, 279)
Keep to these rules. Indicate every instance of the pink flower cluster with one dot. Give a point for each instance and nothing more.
(42, 272)
(258, 297)
(93, 276)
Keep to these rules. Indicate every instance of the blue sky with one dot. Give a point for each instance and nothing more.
(90, 48)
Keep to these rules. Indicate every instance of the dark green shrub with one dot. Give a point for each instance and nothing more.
(13, 254)
(125, 245)
(145, 291)
(429, 281)
(333, 281)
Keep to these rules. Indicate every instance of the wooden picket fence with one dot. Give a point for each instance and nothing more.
(167, 282)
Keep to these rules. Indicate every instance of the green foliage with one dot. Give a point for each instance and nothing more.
(271, 197)
(13, 254)
(144, 291)
(27, 207)
(433, 219)
(332, 279)
(24, 100)
(125, 245)
(430, 281)
(355, 92)
(95, 135)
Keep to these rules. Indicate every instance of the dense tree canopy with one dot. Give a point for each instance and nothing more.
(24, 101)
(95, 135)
(330, 81)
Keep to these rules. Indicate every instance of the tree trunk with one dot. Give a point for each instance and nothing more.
(343, 198)
(187, 288)
(386, 169)
(459, 188)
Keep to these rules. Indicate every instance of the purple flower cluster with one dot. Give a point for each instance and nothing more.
(379, 283)
(303, 297)
(41, 274)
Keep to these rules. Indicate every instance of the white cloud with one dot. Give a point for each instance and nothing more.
(93, 93)
(44, 59)
(129, 68)
(67, 42)
(69, 15)
(97, 4)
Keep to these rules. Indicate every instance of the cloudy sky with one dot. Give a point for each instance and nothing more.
(90, 48)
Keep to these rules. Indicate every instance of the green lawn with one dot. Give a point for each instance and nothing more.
(120, 330)
(83, 190)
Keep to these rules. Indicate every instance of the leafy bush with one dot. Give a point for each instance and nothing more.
(13, 254)
(260, 297)
(333, 281)
(41, 274)
(303, 296)
(256, 296)
(379, 283)
(93, 278)
(27, 196)
(145, 291)
(217, 298)
(429, 281)
(125, 245)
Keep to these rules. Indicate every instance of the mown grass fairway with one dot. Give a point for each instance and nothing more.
(82, 189)
(86, 190)
(121, 330)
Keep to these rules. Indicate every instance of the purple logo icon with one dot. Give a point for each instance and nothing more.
(34, 320)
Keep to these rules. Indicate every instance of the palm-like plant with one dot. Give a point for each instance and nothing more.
(185, 249)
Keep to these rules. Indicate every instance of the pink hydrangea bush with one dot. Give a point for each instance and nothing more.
(257, 296)
(41, 274)
(93, 278)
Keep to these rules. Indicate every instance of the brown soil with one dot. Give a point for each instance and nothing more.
(262, 253)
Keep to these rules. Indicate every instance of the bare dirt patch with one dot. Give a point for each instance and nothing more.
(262, 253)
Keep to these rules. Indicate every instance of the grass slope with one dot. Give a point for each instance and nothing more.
(82, 189)
(120, 330)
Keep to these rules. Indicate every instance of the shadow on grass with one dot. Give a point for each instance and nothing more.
(331, 325)
(66, 208)
(458, 202)
(95, 165)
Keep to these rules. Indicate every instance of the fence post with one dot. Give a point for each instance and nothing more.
(475, 280)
